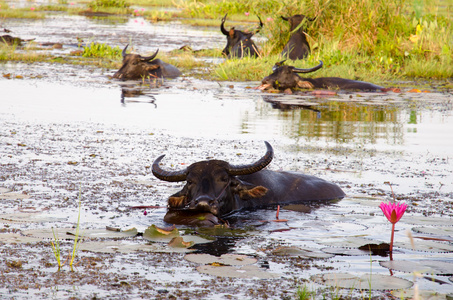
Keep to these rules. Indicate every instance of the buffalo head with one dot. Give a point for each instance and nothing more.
(212, 186)
(239, 43)
(286, 77)
(136, 66)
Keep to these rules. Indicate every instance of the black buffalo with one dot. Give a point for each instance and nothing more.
(239, 43)
(297, 46)
(286, 77)
(11, 40)
(214, 188)
(136, 66)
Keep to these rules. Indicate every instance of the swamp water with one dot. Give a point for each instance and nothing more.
(74, 134)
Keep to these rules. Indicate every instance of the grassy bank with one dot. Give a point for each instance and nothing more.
(365, 39)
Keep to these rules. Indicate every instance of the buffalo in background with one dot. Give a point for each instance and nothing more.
(215, 189)
(286, 77)
(239, 43)
(297, 46)
(136, 66)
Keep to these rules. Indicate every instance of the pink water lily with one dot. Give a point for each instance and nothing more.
(393, 212)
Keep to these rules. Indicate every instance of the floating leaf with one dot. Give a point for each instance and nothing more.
(430, 221)
(225, 259)
(178, 242)
(305, 252)
(4, 190)
(345, 251)
(345, 242)
(69, 233)
(156, 234)
(35, 217)
(122, 247)
(364, 282)
(428, 246)
(14, 238)
(13, 196)
(445, 231)
(236, 272)
(422, 266)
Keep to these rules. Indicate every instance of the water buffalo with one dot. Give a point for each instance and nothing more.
(239, 43)
(215, 189)
(286, 77)
(11, 40)
(136, 66)
(297, 46)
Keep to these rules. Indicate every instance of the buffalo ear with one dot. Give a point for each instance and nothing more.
(177, 202)
(256, 192)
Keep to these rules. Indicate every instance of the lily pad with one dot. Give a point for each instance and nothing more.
(13, 196)
(156, 234)
(15, 238)
(247, 271)
(417, 220)
(121, 247)
(70, 233)
(345, 251)
(178, 242)
(4, 190)
(346, 242)
(305, 252)
(225, 259)
(34, 217)
(427, 246)
(364, 282)
(421, 294)
(422, 266)
(444, 231)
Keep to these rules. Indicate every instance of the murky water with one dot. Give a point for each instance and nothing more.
(73, 129)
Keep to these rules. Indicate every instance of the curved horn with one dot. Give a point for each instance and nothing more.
(261, 25)
(148, 58)
(123, 53)
(222, 28)
(278, 64)
(255, 167)
(172, 176)
(297, 70)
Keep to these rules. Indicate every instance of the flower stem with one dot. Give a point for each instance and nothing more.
(391, 240)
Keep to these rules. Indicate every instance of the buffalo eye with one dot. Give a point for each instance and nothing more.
(224, 178)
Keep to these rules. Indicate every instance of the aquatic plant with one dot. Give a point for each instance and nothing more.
(393, 212)
(101, 50)
(56, 243)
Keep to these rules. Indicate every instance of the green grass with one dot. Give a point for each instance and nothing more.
(102, 50)
(358, 39)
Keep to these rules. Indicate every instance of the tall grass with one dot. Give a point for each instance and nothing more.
(389, 38)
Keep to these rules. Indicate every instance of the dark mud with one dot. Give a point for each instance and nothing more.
(67, 134)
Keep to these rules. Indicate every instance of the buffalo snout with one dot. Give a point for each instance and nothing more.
(204, 204)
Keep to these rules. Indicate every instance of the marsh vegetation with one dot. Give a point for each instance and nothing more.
(373, 39)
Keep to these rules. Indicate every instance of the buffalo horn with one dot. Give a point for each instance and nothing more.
(124, 51)
(148, 58)
(261, 25)
(255, 167)
(297, 70)
(172, 176)
(222, 28)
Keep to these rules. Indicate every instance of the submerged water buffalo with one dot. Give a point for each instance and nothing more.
(239, 43)
(214, 189)
(286, 77)
(297, 46)
(136, 66)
